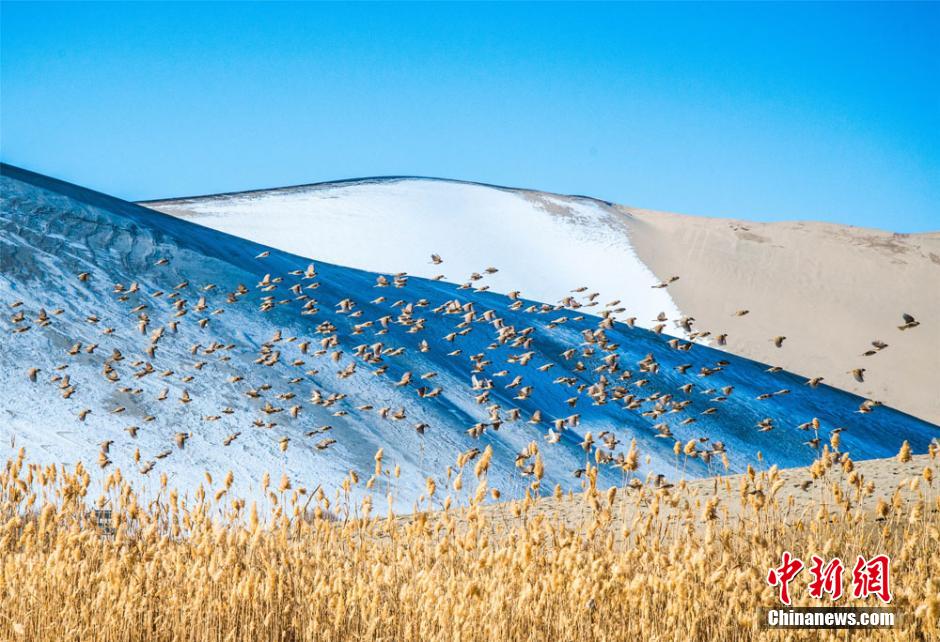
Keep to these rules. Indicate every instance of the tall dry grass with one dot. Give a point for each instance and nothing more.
(642, 562)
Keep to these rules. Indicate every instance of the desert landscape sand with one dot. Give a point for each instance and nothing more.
(829, 289)
(799, 494)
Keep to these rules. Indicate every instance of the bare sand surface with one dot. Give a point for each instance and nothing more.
(829, 289)
(799, 496)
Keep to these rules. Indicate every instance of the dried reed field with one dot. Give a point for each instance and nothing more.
(647, 560)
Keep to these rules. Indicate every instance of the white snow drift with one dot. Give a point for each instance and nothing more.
(544, 245)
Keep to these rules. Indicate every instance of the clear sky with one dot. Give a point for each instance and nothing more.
(759, 111)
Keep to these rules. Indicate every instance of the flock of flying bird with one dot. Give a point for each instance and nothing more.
(186, 301)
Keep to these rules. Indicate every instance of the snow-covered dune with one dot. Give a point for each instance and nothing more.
(185, 350)
(830, 289)
(544, 245)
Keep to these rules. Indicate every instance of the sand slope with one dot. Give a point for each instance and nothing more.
(830, 289)
(799, 496)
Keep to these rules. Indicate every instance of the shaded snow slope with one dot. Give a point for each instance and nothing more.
(235, 355)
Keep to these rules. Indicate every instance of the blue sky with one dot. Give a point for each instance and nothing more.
(758, 111)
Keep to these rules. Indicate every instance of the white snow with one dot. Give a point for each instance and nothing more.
(50, 232)
(543, 245)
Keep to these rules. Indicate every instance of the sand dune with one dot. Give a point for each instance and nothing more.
(830, 289)
(543, 245)
(798, 498)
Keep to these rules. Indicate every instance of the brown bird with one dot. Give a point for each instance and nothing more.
(325, 443)
(778, 341)
(859, 374)
(666, 283)
(909, 322)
